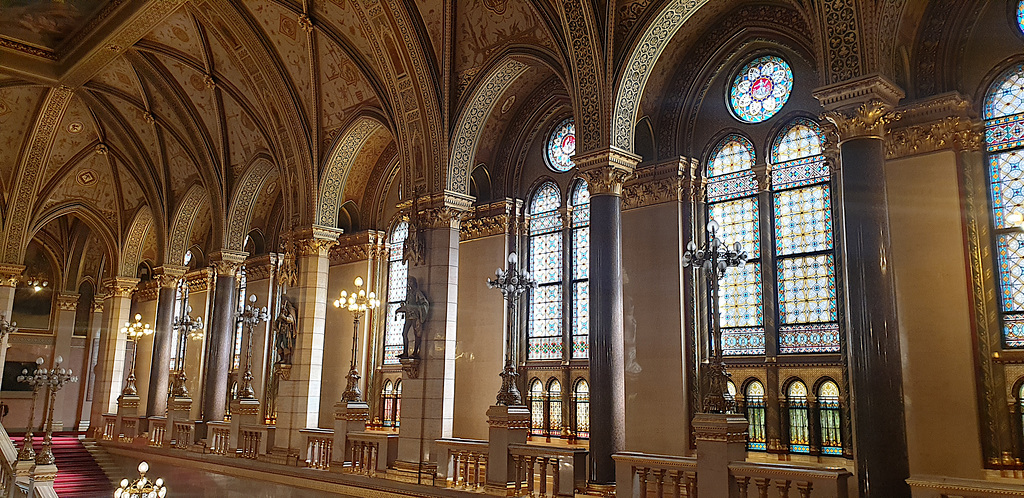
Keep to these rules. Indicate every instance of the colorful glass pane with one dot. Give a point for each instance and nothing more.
(1020, 15)
(743, 341)
(755, 416)
(810, 338)
(554, 408)
(800, 172)
(580, 200)
(581, 253)
(1013, 330)
(807, 289)
(537, 408)
(1006, 171)
(545, 250)
(740, 298)
(582, 395)
(580, 319)
(738, 222)
(398, 277)
(828, 390)
(1006, 97)
(1011, 270)
(562, 146)
(803, 220)
(802, 139)
(734, 153)
(761, 88)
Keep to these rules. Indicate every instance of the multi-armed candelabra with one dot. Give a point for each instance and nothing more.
(250, 316)
(36, 380)
(142, 487)
(134, 330)
(512, 283)
(358, 302)
(7, 327)
(54, 379)
(713, 259)
(188, 328)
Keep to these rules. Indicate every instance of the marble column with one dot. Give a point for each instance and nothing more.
(160, 370)
(605, 171)
(298, 400)
(111, 362)
(67, 305)
(428, 385)
(860, 110)
(9, 275)
(221, 335)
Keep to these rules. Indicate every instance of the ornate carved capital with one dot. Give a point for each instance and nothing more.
(666, 181)
(148, 291)
(868, 120)
(315, 241)
(860, 107)
(606, 170)
(97, 305)
(9, 274)
(67, 301)
(120, 286)
(946, 121)
(199, 280)
(168, 275)
(261, 268)
(500, 217)
(359, 246)
(439, 210)
(227, 262)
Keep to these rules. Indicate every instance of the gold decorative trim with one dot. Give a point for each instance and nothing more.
(315, 241)
(497, 218)
(227, 262)
(668, 181)
(261, 267)
(868, 120)
(120, 286)
(168, 275)
(605, 170)
(857, 92)
(199, 280)
(359, 246)
(10, 274)
(67, 301)
(148, 291)
(946, 121)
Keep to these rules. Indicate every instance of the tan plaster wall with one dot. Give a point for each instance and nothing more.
(338, 338)
(144, 357)
(196, 351)
(479, 355)
(656, 408)
(934, 316)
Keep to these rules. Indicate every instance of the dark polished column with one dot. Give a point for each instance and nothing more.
(605, 170)
(160, 370)
(221, 336)
(860, 110)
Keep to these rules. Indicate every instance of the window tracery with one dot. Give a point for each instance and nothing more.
(761, 88)
(561, 146)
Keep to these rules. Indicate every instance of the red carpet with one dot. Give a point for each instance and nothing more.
(78, 474)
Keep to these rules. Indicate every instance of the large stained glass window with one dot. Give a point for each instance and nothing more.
(398, 277)
(580, 200)
(1004, 139)
(545, 319)
(828, 417)
(561, 146)
(761, 88)
(796, 401)
(732, 202)
(754, 397)
(804, 244)
(238, 325)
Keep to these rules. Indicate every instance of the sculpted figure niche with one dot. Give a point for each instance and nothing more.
(415, 308)
(284, 332)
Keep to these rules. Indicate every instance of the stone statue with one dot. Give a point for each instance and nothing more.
(415, 308)
(284, 332)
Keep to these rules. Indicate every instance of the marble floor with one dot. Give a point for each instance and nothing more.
(185, 482)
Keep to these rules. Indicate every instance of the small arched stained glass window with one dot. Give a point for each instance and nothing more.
(802, 139)
(1020, 15)
(1006, 97)
(755, 416)
(761, 88)
(561, 146)
(733, 154)
(828, 416)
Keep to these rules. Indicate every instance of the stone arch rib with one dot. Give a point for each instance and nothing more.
(181, 225)
(243, 200)
(339, 165)
(137, 231)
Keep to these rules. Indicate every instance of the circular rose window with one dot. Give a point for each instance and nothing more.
(761, 88)
(561, 146)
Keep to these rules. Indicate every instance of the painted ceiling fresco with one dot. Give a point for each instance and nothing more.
(45, 23)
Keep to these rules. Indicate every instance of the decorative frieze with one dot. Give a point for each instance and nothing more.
(199, 280)
(359, 246)
(605, 170)
(946, 121)
(497, 218)
(667, 181)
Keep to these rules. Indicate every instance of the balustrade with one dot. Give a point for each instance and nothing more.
(785, 481)
(942, 487)
(220, 438)
(319, 444)
(659, 476)
(371, 452)
(183, 434)
(250, 441)
(464, 464)
(548, 470)
(157, 431)
(109, 427)
(8, 460)
(129, 429)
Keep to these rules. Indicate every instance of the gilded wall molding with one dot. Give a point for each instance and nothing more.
(359, 246)
(168, 275)
(261, 267)
(10, 274)
(605, 170)
(314, 241)
(67, 301)
(496, 218)
(946, 121)
(666, 181)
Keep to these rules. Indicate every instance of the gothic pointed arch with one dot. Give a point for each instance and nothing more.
(243, 200)
(339, 165)
(182, 224)
(134, 240)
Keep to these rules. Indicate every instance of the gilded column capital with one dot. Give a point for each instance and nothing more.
(9, 274)
(168, 275)
(606, 170)
(491, 219)
(665, 181)
(67, 301)
(120, 286)
(315, 241)
(227, 262)
(359, 246)
(443, 209)
(97, 305)
(861, 107)
(946, 121)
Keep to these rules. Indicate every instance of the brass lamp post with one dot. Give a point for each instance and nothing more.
(513, 283)
(713, 259)
(142, 487)
(189, 328)
(250, 317)
(357, 303)
(55, 379)
(36, 380)
(134, 330)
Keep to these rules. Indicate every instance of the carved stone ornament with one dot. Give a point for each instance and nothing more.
(67, 301)
(315, 241)
(668, 181)
(411, 367)
(168, 275)
(148, 291)
(868, 120)
(227, 263)
(954, 133)
(10, 274)
(120, 286)
(199, 280)
(606, 170)
(359, 246)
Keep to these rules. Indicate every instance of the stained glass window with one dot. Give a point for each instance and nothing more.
(580, 200)
(734, 153)
(387, 410)
(828, 415)
(554, 408)
(398, 283)
(1020, 15)
(754, 398)
(238, 325)
(545, 243)
(740, 301)
(1004, 137)
(398, 403)
(561, 146)
(581, 397)
(796, 399)
(802, 139)
(536, 408)
(761, 88)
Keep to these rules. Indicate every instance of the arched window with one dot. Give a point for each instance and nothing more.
(387, 396)
(1004, 138)
(754, 397)
(731, 393)
(398, 284)
(180, 311)
(236, 358)
(545, 247)
(561, 146)
(828, 414)
(581, 397)
(536, 408)
(554, 408)
(796, 401)
(804, 248)
(398, 403)
(580, 201)
(732, 202)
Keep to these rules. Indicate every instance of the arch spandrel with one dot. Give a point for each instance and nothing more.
(179, 237)
(339, 166)
(243, 200)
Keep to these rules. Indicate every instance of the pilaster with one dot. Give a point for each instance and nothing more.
(64, 326)
(111, 363)
(349, 417)
(9, 275)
